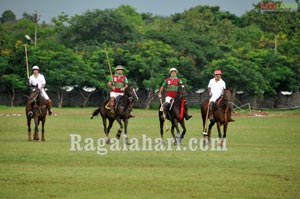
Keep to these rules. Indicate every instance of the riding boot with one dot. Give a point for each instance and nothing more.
(49, 105)
(211, 114)
(186, 111)
(111, 105)
(29, 109)
(165, 110)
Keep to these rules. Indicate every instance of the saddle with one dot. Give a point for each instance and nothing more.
(181, 109)
(218, 101)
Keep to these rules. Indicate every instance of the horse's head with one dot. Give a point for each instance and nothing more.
(181, 90)
(227, 95)
(34, 95)
(130, 93)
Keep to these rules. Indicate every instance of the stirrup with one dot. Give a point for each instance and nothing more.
(107, 106)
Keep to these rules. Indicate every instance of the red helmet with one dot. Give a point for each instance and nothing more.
(218, 72)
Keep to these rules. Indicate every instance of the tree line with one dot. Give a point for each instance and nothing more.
(258, 52)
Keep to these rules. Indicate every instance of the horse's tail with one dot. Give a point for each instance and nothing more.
(96, 112)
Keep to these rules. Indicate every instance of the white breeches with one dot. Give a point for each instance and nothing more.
(168, 99)
(44, 94)
(115, 94)
(214, 98)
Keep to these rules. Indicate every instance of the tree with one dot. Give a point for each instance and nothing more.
(96, 27)
(8, 16)
(13, 73)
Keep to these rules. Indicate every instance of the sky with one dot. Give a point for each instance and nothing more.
(47, 9)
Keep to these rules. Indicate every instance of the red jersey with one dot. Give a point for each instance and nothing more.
(119, 82)
(171, 86)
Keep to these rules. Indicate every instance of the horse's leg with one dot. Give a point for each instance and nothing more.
(106, 132)
(29, 128)
(211, 124)
(36, 129)
(118, 135)
(125, 131)
(182, 123)
(172, 132)
(224, 134)
(219, 134)
(204, 113)
(177, 131)
(225, 130)
(161, 125)
(43, 128)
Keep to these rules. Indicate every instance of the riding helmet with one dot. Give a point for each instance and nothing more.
(218, 72)
(172, 69)
(119, 67)
(35, 68)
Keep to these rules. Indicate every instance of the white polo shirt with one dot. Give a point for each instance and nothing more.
(216, 88)
(37, 81)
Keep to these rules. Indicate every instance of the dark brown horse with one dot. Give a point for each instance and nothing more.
(122, 111)
(38, 106)
(221, 113)
(175, 115)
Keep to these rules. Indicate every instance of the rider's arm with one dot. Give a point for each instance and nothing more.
(110, 85)
(160, 91)
(125, 84)
(209, 91)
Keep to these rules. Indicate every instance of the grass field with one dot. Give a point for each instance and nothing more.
(262, 159)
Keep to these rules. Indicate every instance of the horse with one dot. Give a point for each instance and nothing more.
(175, 115)
(221, 113)
(122, 112)
(38, 105)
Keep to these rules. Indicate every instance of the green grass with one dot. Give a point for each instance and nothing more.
(262, 160)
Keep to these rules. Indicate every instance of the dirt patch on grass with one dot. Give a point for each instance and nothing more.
(252, 114)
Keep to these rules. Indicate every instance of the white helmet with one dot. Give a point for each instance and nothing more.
(35, 68)
(119, 67)
(172, 69)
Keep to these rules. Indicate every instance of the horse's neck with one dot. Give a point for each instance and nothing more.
(124, 100)
(223, 103)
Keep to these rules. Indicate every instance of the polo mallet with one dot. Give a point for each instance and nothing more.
(26, 59)
(161, 106)
(206, 118)
(109, 66)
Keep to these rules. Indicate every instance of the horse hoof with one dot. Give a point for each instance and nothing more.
(107, 140)
(118, 136)
(43, 140)
(162, 141)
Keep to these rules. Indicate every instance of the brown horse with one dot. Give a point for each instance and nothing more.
(38, 105)
(221, 113)
(175, 115)
(122, 112)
